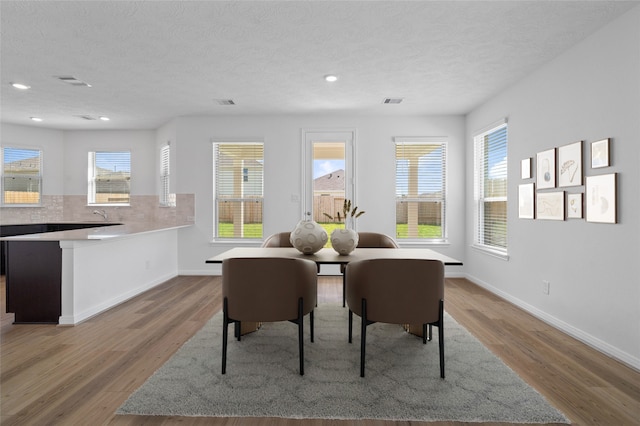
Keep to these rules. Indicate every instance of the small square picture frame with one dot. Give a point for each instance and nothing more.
(525, 168)
(600, 153)
(574, 206)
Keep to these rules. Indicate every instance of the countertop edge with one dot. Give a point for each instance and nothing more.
(99, 233)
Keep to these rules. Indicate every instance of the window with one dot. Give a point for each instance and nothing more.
(21, 176)
(421, 189)
(239, 188)
(491, 189)
(109, 178)
(166, 198)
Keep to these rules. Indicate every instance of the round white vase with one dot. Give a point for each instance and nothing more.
(344, 241)
(308, 237)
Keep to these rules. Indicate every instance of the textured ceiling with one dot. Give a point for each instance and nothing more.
(152, 61)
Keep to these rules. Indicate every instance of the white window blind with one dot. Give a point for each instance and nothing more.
(109, 178)
(166, 198)
(421, 189)
(239, 189)
(491, 188)
(21, 176)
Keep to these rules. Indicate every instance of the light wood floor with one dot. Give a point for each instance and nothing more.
(82, 374)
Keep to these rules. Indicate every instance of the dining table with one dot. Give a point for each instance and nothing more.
(328, 256)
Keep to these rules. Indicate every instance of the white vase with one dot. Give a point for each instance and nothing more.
(308, 237)
(344, 241)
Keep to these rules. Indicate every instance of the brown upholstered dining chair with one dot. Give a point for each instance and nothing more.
(281, 239)
(416, 296)
(267, 290)
(368, 240)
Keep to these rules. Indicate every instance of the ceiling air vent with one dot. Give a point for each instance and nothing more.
(87, 117)
(225, 101)
(392, 101)
(71, 80)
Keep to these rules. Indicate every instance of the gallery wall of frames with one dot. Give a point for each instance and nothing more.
(559, 191)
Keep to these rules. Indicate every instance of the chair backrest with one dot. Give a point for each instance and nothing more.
(268, 288)
(375, 240)
(398, 291)
(280, 239)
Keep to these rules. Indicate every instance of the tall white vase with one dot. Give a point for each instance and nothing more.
(308, 237)
(344, 241)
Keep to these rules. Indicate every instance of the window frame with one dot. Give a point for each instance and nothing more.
(92, 178)
(480, 180)
(4, 175)
(165, 198)
(216, 200)
(442, 142)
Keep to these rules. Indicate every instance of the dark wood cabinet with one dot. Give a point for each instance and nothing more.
(34, 281)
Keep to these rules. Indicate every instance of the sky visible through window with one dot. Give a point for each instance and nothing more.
(324, 167)
(114, 161)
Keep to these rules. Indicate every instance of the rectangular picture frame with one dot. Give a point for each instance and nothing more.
(601, 198)
(600, 153)
(570, 165)
(526, 206)
(574, 206)
(550, 205)
(525, 168)
(546, 169)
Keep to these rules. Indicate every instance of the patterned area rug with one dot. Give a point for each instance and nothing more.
(402, 377)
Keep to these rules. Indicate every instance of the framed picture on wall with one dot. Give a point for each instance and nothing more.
(525, 168)
(570, 165)
(546, 169)
(600, 198)
(600, 154)
(525, 201)
(550, 205)
(574, 206)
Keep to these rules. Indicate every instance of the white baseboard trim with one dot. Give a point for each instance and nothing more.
(108, 304)
(572, 331)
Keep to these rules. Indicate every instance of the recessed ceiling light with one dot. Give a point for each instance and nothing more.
(331, 78)
(36, 119)
(104, 118)
(20, 86)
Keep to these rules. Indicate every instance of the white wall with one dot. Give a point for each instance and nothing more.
(51, 142)
(144, 157)
(589, 93)
(375, 168)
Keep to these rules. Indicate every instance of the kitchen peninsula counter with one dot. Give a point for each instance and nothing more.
(67, 276)
(92, 231)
